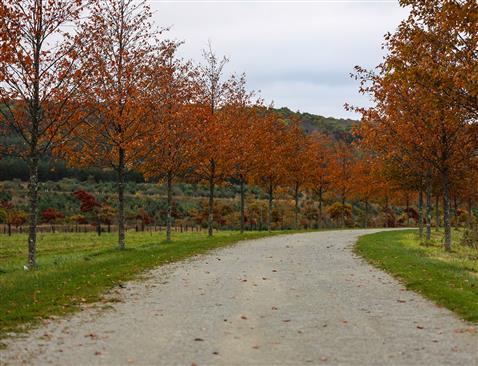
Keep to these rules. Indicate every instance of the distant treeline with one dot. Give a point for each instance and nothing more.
(15, 168)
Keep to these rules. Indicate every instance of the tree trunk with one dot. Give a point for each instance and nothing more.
(98, 226)
(169, 207)
(296, 210)
(429, 211)
(468, 218)
(9, 226)
(455, 206)
(446, 210)
(121, 223)
(242, 205)
(343, 212)
(210, 221)
(269, 216)
(366, 214)
(437, 213)
(420, 213)
(408, 210)
(33, 215)
(320, 207)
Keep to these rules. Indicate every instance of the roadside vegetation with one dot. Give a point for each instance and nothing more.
(450, 279)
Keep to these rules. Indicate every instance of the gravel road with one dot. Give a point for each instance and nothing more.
(301, 299)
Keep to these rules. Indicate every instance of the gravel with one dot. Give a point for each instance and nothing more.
(301, 299)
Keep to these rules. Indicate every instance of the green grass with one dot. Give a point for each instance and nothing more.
(78, 268)
(448, 279)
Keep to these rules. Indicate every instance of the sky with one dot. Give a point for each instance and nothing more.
(298, 54)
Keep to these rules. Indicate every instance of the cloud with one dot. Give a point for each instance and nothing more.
(298, 54)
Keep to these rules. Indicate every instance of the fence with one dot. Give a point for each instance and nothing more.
(91, 229)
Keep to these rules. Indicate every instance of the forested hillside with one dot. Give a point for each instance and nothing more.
(56, 169)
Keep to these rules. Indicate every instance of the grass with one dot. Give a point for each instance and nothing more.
(78, 268)
(448, 279)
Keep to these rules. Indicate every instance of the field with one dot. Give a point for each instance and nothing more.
(448, 279)
(78, 268)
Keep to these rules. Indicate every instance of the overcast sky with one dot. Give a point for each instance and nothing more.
(299, 54)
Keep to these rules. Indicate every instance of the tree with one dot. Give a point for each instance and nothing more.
(40, 76)
(7, 214)
(143, 217)
(297, 163)
(173, 123)
(365, 182)
(121, 46)
(212, 135)
(89, 204)
(320, 154)
(106, 216)
(51, 215)
(341, 165)
(243, 115)
(270, 172)
(340, 211)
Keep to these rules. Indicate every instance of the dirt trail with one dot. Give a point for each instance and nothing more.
(291, 300)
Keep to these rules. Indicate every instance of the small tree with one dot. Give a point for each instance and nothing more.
(89, 204)
(51, 215)
(144, 218)
(340, 211)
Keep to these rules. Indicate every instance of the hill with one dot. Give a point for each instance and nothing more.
(54, 170)
(338, 128)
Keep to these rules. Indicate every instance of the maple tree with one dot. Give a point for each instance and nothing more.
(243, 115)
(211, 164)
(143, 216)
(173, 124)
(7, 214)
(51, 215)
(297, 163)
(320, 172)
(270, 172)
(40, 75)
(121, 46)
(91, 205)
(365, 183)
(341, 168)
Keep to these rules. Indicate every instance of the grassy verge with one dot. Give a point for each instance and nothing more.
(79, 268)
(448, 279)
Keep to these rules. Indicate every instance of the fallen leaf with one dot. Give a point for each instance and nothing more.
(420, 327)
(199, 339)
(244, 317)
